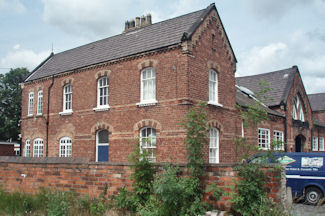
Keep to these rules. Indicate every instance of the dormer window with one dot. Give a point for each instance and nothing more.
(297, 109)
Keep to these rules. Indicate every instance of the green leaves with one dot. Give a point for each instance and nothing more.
(10, 103)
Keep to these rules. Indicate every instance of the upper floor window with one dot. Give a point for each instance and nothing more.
(65, 147)
(264, 138)
(40, 103)
(30, 103)
(38, 147)
(27, 148)
(297, 110)
(213, 87)
(102, 92)
(315, 143)
(214, 145)
(148, 85)
(278, 138)
(148, 142)
(67, 98)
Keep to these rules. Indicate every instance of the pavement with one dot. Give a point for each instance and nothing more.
(307, 210)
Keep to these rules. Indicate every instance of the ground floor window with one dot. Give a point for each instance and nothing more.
(27, 148)
(38, 147)
(214, 145)
(321, 144)
(315, 143)
(65, 147)
(264, 138)
(102, 146)
(148, 142)
(278, 138)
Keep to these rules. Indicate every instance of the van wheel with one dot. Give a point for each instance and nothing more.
(313, 195)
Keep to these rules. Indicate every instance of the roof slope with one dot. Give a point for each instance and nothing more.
(243, 100)
(147, 38)
(317, 101)
(279, 82)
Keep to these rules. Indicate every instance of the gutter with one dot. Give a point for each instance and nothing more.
(48, 115)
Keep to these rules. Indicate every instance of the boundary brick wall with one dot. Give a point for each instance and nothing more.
(29, 175)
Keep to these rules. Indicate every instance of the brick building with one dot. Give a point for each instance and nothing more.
(91, 101)
(299, 124)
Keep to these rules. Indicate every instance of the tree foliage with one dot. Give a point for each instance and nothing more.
(10, 103)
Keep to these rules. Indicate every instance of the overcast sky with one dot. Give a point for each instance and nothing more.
(266, 35)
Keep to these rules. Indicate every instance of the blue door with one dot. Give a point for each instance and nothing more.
(102, 153)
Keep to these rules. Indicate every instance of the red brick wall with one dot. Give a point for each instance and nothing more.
(294, 130)
(181, 81)
(7, 150)
(319, 115)
(30, 174)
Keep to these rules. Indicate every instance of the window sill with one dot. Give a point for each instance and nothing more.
(102, 108)
(67, 112)
(147, 103)
(39, 114)
(215, 103)
(29, 116)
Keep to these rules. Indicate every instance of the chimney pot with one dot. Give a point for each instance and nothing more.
(127, 25)
(143, 21)
(149, 19)
(137, 21)
(132, 24)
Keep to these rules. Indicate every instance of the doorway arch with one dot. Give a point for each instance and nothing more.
(300, 143)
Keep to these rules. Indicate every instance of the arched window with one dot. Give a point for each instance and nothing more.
(297, 109)
(67, 98)
(214, 145)
(213, 86)
(102, 92)
(148, 85)
(38, 147)
(65, 147)
(27, 148)
(102, 146)
(148, 142)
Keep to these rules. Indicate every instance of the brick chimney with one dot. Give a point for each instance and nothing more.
(137, 23)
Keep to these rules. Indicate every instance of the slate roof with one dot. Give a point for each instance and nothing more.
(279, 81)
(317, 101)
(243, 100)
(151, 37)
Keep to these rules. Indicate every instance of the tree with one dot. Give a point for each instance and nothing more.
(10, 103)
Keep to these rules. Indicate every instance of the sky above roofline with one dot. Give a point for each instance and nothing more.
(266, 35)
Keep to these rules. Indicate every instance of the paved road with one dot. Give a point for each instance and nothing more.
(308, 210)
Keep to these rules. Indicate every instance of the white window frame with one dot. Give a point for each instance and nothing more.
(100, 144)
(38, 147)
(297, 109)
(40, 102)
(102, 92)
(321, 144)
(30, 104)
(213, 87)
(214, 146)
(148, 94)
(65, 147)
(27, 148)
(242, 129)
(278, 136)
(67, 100)
(264, 138)
(315, 143)
(149, 143)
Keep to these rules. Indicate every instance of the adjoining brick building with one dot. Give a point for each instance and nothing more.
(91, 101)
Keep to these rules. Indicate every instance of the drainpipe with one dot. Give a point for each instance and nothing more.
(48, 115)
(285, 129)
